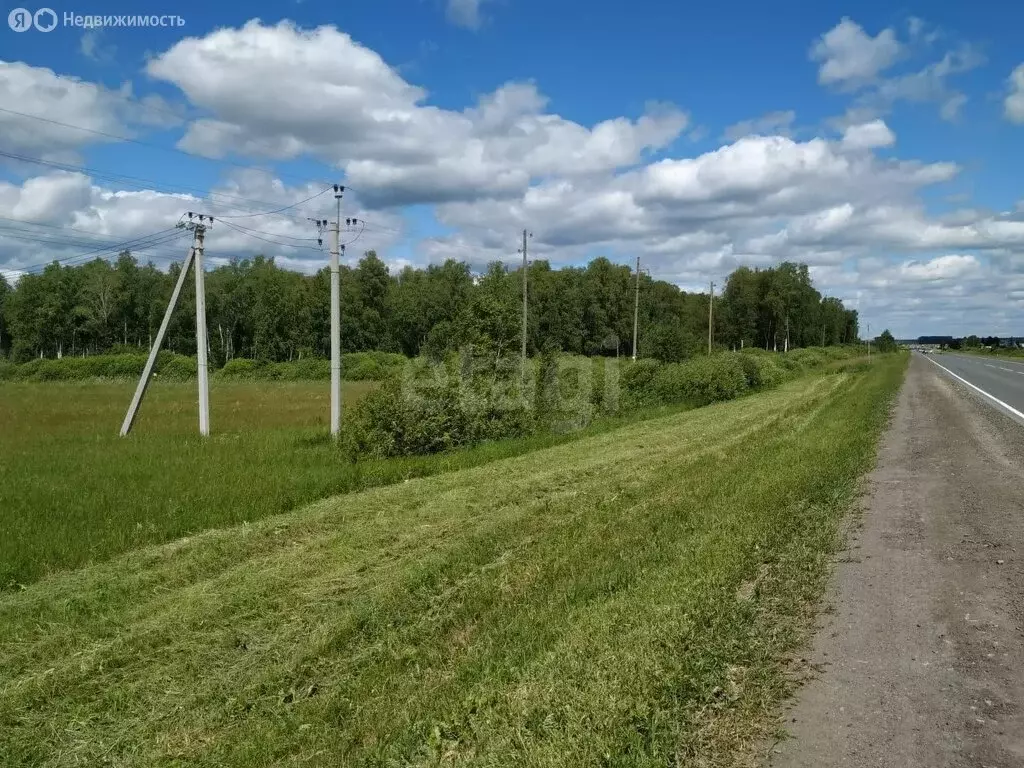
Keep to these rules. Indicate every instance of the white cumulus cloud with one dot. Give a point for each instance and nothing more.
(949, 267)
(1013, 105)
(849, 57)
(321, 93)
(870, 135)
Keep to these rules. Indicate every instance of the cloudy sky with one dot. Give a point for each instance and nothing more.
(883, 147)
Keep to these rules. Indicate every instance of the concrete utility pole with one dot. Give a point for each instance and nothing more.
(636, 306)
(525, 305)
(711, 323)
(199, 234)
(198, 224)
(336, 314)
(335, 250)
(786, 346)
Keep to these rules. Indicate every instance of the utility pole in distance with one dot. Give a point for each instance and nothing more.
(711, 315)
(525, 304)
(199, 235)
(636, 310)
(334, 228)
(336, 314)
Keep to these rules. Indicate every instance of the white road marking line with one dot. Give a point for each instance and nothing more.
(987, 365)
(1008, 369)
(979, 390)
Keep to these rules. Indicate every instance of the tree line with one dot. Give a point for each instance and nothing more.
(258, 310)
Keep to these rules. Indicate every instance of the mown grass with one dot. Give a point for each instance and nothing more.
(626, 599)
(73, 492)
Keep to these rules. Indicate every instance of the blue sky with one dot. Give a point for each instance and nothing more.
(882, 145)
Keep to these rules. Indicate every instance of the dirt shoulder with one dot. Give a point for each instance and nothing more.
(922, 659)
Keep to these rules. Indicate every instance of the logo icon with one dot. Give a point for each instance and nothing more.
(20, 20)
(45, 19)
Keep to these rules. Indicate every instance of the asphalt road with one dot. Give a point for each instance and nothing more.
(1000, 379)
(921, 662)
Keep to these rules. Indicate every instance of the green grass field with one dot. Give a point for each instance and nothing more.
(623, 599)
(72, 492)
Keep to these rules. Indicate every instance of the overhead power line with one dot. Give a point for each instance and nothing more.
(250, 230)
(252, 234)
(151, 145)
(135, 244)
(139, 182)
(278, 210)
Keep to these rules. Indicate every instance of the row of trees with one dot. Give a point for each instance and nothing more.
(257, 310)
(975, 342)
(972, 342)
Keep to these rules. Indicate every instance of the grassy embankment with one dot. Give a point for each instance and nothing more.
(623, 599)
(73, 492)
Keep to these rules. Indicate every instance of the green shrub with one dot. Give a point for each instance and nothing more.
(435, 408)
(174, 367)
(355, 366)
(365, 370)
(605, 382)
(569, 391)
(79, 368)
(636, 379)
(240, 368)
(761, 368)
(27, 370)
(807, 357)
(701, 380)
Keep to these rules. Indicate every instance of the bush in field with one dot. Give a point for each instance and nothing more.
(637, 381)
(806, 358)
(568, 391)
(99, 367)
(605, 384)
(436, 407)
(761, 369)
(240, 368)
(25, 371)
(174, 367)
(355, 366)
(701, 380)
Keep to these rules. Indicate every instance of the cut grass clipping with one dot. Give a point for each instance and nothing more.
(624, 599)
